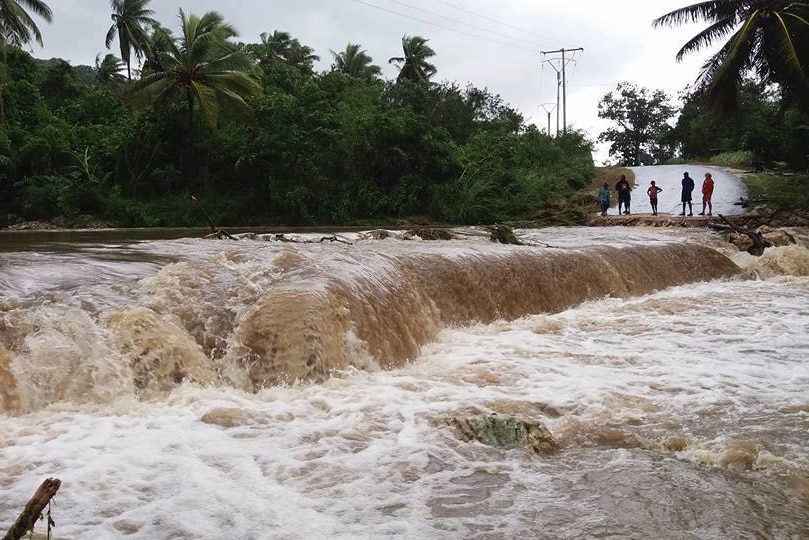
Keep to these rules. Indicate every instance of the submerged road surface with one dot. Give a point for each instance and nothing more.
(728, 188)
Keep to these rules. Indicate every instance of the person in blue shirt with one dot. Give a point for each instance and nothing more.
(604, 198)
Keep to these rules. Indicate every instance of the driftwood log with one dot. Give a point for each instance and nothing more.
(33, 510)
(215, 232)
(760, 243)
(330, 238)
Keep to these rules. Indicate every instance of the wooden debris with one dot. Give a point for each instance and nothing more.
(219, 234)
(427, 233)
(760, 243)
(33, 510)
(503, 234)
(330, 238)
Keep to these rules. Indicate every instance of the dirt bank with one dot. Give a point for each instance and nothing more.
(751, 219)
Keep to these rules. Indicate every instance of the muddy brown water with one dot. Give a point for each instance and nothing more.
(183, 387)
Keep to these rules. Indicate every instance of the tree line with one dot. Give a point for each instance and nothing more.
(257, 134)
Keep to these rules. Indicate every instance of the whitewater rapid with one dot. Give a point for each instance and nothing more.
(681, 410)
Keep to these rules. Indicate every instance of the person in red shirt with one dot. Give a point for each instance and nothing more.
(652, 192)
(707, 192)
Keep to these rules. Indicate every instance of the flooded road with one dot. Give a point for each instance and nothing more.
(728, 189)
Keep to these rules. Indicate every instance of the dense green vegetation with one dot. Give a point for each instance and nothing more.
(261, 138)
(783, 191)
(769, 130)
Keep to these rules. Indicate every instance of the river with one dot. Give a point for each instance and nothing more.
(190, 388)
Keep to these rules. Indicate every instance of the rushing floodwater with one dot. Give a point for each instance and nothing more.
(202, 389)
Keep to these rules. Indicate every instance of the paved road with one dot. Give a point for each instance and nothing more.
(728, 188)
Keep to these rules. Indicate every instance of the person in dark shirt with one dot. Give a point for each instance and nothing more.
(688, 187)
(624, 190)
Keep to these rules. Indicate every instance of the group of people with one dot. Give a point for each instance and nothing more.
(624, 190)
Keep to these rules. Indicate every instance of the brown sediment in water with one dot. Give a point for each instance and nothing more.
(9, 398)
(312, 315)
(300, 334)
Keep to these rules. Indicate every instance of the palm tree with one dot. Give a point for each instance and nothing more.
(763, 40)
(355, 62)
(108, 70)
(130, 19)
(17, 27)
(273, 47)
(160, 40)
(413, 66)
(281, 46)
(301, 56)
(204, 66)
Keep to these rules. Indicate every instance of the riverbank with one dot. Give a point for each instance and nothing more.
(794, 218)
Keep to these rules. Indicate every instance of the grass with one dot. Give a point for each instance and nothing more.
(741, 158)
(610, 175)
(778, 191)
(582, 204)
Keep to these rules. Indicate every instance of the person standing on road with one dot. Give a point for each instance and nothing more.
(688, 188)
(624, 190)
(652, 192)
(604, 198)
(707, 192)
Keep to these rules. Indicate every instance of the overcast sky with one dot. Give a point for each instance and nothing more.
(489, 43)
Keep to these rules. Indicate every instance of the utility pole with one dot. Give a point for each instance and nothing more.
(558, 85)
(561, 71)
(549, 107)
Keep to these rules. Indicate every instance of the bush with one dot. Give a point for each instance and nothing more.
(40, 197)
(740, 157)
(466, 201)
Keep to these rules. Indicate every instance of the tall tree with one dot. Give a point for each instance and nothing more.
(272, 47)
(281, 46)
(767, 38)
(301, 56)
(355, 62)
(130, 22)
(160, 40)
(18, 28)
(641, 117)
(204, 66)
(413, 66)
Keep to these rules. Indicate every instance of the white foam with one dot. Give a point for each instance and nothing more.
(358, 455)
(719, 365)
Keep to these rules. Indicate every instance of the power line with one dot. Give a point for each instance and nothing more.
(501, 23)
(457, 21)
(442, 26)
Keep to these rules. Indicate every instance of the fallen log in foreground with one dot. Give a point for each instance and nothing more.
(33, 510)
